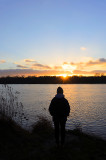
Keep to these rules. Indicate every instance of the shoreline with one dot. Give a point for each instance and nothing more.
(17, 143)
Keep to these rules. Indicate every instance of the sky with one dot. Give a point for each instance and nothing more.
(52, 37)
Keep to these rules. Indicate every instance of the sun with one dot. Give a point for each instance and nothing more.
(62, 75)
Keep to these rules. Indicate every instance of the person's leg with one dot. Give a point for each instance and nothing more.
(56, 125)
(62, 124)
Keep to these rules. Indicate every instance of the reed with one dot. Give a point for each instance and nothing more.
(10, 106)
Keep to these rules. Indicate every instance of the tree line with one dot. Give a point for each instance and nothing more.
(53, 80)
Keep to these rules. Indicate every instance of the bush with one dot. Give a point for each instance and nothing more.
(43, 126)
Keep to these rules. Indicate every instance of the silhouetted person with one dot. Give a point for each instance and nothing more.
(59, 108)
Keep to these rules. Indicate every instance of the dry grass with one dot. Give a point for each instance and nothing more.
(10, 106)
(43, 127)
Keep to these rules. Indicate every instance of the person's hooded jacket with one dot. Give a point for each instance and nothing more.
(59, 107)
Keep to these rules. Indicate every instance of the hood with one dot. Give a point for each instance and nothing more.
(59, 95)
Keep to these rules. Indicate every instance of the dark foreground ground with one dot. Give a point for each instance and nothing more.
(19, 144)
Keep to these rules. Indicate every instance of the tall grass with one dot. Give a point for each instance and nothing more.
(10, 106)
(43, 126)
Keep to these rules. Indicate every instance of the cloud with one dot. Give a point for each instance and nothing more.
(89, 67)
(2, 61)
(86, 67)
(65, 63)
(69, 66)
(58, 67)
(83, 48)
(102, 60)
(72, 63)
(21, 66)
(92, 62)
(97, 62)
(30, 72)
(40, 66)
(27, 63)
(29, 60)
(79, 72)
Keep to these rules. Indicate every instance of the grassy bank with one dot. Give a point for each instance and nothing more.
(18, 144)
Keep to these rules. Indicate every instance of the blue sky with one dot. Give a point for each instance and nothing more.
(51, 32)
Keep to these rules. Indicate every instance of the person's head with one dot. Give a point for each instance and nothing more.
(59, 90)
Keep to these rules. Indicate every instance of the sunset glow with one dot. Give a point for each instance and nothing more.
(62, 75)
(68, 67)
(37, 41)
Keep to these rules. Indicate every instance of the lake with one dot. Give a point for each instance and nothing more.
(87, 102)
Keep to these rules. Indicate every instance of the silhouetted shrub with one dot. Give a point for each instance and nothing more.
(43, 126)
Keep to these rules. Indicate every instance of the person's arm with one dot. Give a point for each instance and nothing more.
(51, 108)
(67, 108)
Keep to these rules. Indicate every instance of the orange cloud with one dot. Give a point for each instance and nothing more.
(29, 60)
(2, 61)
(83, 48)
(86, 67)
(58, 67)
(65, 63)
(30, 72)
(97, 62)
(68, 66)
(88, 73)
(89, 67)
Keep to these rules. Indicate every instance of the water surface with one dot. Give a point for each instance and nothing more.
(87, 102)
